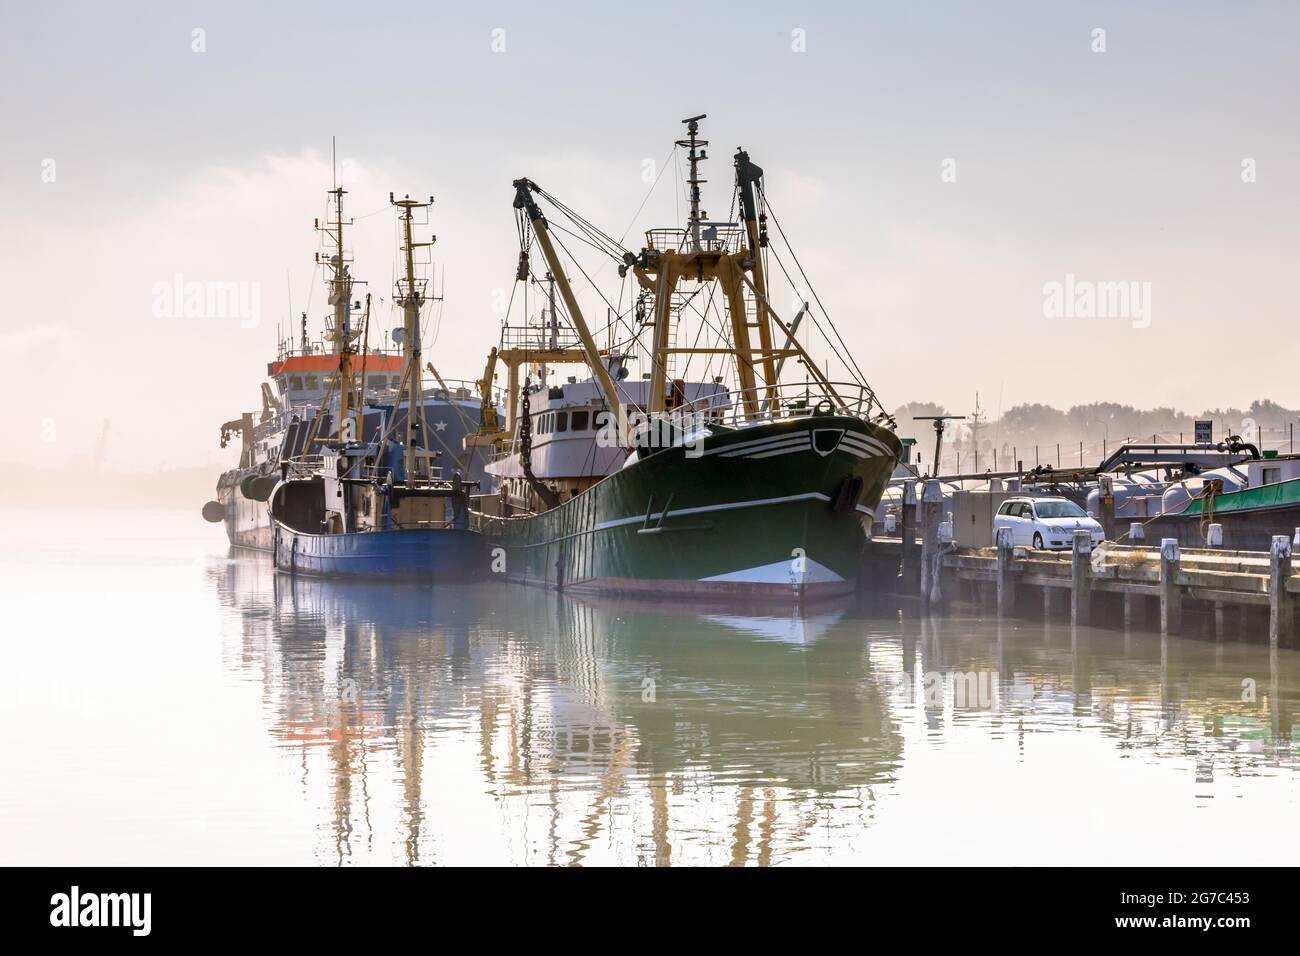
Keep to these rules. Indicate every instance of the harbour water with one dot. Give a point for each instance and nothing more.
(164, 700)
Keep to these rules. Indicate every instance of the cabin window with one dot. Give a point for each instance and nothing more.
(580, 421)
(561, 421)
(1271, 476)
(295, 383)
(313, 382)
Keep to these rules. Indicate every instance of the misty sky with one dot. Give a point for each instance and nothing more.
(1121, 166)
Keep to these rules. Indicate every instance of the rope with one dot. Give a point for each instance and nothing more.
(1208, 492)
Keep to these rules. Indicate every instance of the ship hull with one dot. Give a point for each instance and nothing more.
(247, 522)
(769, 512)
(424, 554)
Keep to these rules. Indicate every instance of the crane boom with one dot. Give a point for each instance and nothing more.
(524, 201)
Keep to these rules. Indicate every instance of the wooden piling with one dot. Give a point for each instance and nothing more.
(907, 551)
(1229, 585)
(1281, 615)
(1134, 610)
(1171, 598)
(1081, 578)
(931, 509)
(1006, 583)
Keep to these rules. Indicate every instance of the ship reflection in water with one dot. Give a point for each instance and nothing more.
(515, 726)
(163, 701)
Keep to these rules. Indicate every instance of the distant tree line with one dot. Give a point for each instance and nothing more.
(1098, 426)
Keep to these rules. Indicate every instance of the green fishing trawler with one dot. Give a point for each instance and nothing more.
(721, 481)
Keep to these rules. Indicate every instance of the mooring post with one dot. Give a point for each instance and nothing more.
(907, 560)
(1134, 610)
(1081, 577)
(931, 561)
(1106, 505)
(1171, 598)
(1280, 612)
(1006, 583)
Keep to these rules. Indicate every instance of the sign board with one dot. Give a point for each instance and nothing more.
(1204, 432)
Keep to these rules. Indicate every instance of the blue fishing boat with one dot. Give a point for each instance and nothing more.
(343, 515)
(377, 507)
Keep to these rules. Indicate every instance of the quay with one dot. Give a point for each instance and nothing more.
(1179, 590)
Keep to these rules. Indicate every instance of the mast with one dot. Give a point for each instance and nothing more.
(410, 296)
(695, 152)
(340, 286)
(748, 176)
(551, 324)
(660, 271)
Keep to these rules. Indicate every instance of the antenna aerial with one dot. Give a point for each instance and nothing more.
(695, 152)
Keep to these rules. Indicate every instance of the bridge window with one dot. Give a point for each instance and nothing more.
(580, 421)
(561, 421)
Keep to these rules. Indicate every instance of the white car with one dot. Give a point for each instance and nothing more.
(1044, 522)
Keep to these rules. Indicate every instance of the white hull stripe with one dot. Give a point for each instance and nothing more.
(849, 449)
(796, 444)
(865, 452)
(780, 451)
(764, 453)
(866, 443)
(863, 446)
(755, 443)
(755, 503)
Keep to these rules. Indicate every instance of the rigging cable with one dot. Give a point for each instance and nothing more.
(851, 361)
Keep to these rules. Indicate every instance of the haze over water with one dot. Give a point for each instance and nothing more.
(164, 700)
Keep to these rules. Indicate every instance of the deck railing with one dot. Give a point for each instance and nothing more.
(310, 466)
(738, 408)
(726, 408)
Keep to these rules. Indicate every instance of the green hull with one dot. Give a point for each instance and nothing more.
(770, 511)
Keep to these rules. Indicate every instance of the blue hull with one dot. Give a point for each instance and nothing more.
(426, 554)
